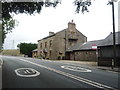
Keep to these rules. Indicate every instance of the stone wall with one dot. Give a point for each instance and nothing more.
(84, 55)
(44, 50)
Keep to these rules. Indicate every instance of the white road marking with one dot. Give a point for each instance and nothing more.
(88, 67)
(27, 71)
(75, 68)
(112, 71)
(34, 75)
(95, 84)
(1, 62)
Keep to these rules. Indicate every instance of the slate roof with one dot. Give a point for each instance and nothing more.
(84, 46)
(76, 46)
(51, 35)
(35, 50)
(88, 45)
(109, 39)
(46, 37)
(57, 33)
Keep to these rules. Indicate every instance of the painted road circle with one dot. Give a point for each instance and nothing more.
(27, 72)
(75, 68)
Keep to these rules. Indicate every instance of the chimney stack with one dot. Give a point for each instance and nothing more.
(71, 25)
(51, 33)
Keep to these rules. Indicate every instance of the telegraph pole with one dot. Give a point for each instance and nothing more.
(114, 40)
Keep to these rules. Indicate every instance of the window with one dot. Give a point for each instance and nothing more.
(45, 44)
(50, 53)
(72, 32)
(60, 53)
(70, 43)
(41, 45)
(50, 43)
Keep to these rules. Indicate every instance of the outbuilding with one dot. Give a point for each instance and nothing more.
(84, 51)
(34, 53)
(105, 52)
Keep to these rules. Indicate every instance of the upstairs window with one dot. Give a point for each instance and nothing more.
(45, 44)
(50, 43)
(41, 45)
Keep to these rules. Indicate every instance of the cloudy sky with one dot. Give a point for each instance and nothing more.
(97, 24)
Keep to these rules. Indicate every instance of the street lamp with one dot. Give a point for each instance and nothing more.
(111, 2)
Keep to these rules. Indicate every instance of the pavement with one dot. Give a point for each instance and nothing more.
(115, 69)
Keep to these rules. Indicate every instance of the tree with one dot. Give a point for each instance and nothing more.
(82, 5)
(0, 26)
(31, 7)
(27, 48)
(0, 37)
(5, 28)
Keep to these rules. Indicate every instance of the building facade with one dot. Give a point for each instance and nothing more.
(84, 51)
(55, 45)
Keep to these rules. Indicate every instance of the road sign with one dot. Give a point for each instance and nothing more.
(94, 46)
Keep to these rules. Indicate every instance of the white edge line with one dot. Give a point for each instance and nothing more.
(1, 62)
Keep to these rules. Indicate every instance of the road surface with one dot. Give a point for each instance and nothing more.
(20, 72)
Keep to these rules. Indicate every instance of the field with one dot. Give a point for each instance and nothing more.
(11, 52)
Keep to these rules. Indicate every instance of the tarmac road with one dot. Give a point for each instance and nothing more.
(54, 74)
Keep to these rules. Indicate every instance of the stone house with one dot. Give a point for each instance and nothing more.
(55, 45)
(105, 52)
(84, 51)
(34, 53)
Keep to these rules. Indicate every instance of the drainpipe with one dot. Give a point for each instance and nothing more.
(65, 43)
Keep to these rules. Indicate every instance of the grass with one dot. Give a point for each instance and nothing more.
(12, 52)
